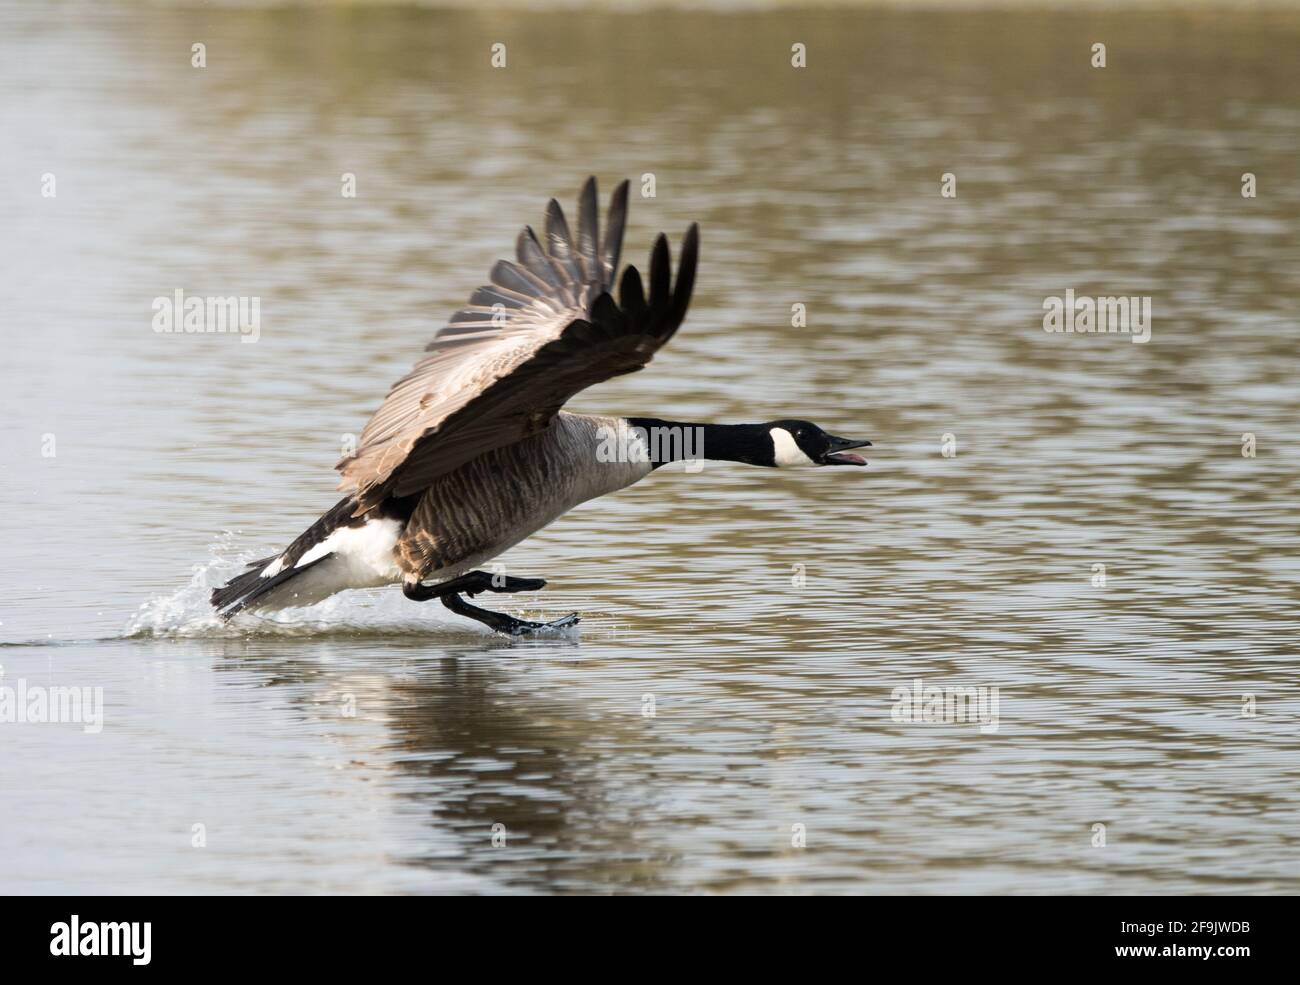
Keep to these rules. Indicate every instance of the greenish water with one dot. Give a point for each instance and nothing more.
(371, 744)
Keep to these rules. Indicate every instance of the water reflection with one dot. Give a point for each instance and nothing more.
(467, 752)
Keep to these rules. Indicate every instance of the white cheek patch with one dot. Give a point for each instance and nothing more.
(788, 454)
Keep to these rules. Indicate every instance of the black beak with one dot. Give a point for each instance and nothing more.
(838, 453)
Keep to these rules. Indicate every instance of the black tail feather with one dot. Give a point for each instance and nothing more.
(247, 588)
(243, 589)
(240, 584)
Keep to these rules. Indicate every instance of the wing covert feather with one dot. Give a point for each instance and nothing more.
(545, 328)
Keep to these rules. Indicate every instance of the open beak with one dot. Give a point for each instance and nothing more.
(839, 454)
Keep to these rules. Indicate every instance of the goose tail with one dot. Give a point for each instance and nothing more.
(263, 576)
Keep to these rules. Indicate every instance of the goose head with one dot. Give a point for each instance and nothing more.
(802, 444)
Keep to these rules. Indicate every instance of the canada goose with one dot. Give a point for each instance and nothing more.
(470, 452)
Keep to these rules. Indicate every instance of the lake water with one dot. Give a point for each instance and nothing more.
(724, 721)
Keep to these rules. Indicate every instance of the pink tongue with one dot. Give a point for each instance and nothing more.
(848, 456)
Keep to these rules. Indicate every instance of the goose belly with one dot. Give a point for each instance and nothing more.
(445, 543)
(490, 504)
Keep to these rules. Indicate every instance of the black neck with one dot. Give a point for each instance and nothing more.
(675, 441)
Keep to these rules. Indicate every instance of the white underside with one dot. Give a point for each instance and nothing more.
(362, 558)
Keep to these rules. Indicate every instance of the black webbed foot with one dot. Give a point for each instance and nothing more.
(507, 584)
(472, 584)
(501, 622)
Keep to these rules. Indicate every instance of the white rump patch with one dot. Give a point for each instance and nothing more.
(788, 455)
(364, 553)
(367, 549)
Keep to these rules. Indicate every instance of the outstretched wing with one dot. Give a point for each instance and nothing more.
(543, 330)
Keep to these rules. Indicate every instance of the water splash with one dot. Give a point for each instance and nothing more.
(187, 612)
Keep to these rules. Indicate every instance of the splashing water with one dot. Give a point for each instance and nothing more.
(187, 612)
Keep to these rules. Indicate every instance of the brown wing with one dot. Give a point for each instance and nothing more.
(543, 330)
